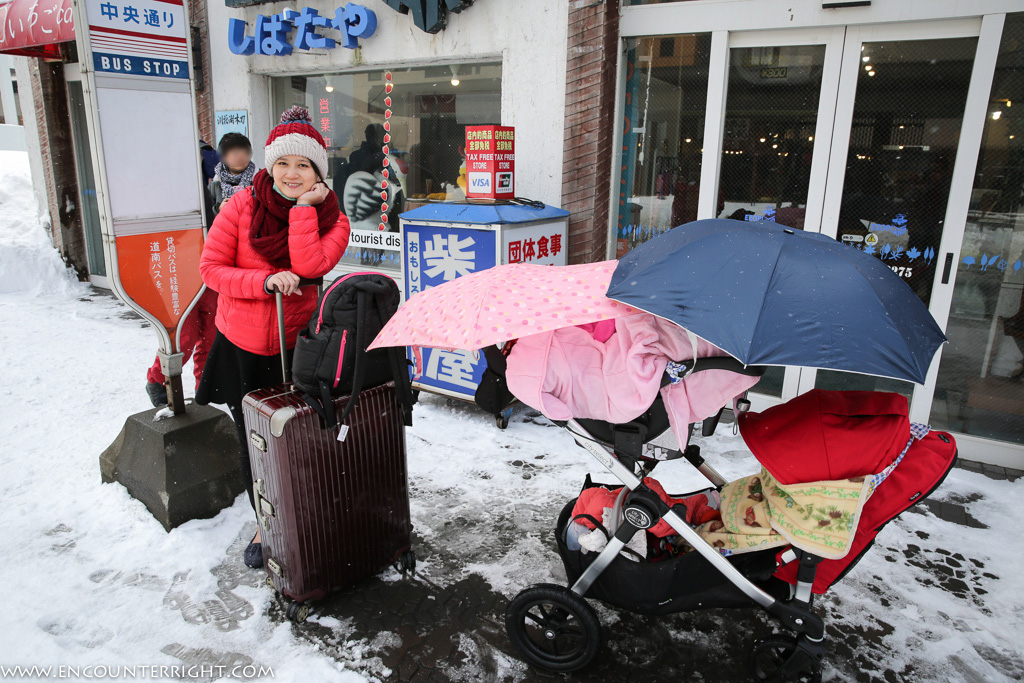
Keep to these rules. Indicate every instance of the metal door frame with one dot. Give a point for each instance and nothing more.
(73, 74)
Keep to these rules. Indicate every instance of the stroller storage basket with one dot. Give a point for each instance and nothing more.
(679, 584)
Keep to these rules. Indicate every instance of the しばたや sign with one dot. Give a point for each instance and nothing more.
(139, 37)
(273, 34)
(490, 161)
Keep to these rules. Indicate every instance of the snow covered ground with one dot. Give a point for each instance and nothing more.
(91, 578)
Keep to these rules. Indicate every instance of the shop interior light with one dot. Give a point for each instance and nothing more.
(865, 58)
(455, 75)
(763, 139)
(871, 73)
(689, 140)
(996, 115)
(329, 88)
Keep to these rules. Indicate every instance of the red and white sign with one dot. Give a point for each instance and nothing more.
(139, 37)
(34, 23)
(543, 244)
(490, 162)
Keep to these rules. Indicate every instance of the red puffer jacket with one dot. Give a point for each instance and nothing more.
(246, 314)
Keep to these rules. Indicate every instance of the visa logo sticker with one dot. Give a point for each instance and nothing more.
(480, 182)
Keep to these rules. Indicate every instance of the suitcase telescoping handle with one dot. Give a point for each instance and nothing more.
(303, 282)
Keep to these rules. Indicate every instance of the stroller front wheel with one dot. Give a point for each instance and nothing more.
(553, 628)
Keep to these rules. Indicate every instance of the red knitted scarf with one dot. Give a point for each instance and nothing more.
(268, 232)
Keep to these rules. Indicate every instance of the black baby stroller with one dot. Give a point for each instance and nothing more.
(556, 629)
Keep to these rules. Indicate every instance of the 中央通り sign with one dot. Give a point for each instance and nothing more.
(139, 37)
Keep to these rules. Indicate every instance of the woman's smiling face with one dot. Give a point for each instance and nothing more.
(294, 175)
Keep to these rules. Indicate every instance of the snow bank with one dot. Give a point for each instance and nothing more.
(28, 261)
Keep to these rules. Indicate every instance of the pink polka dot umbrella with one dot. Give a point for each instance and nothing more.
(501, 303)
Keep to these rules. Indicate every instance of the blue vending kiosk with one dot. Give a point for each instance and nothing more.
(445, 240)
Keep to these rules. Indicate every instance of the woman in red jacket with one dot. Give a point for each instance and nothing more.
(285, 227)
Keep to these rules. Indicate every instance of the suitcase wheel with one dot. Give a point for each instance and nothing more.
(297, 612)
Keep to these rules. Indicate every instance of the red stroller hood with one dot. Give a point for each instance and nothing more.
(826, 435)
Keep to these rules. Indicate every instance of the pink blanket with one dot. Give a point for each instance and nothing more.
(615, 376)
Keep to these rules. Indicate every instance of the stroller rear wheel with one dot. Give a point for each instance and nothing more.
(553, 628)
(769, 655)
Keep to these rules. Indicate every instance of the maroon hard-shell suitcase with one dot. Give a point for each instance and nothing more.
(330, 512)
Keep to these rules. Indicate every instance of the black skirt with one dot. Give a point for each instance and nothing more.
(232, 372)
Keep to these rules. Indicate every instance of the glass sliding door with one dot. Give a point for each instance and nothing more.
(980, 385)
(889, 196)
(779, 109)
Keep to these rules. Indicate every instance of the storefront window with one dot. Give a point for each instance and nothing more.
(430, 108)
(980, 386)
(663, 135)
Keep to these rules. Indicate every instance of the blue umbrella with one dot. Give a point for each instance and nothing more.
(771, 295)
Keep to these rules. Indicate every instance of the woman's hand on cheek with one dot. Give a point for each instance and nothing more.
(314, 195)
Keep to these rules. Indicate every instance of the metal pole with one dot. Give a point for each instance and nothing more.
(280, 332)
(170, 365)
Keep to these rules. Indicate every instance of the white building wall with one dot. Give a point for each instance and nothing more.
(30, 118)
(528, 37)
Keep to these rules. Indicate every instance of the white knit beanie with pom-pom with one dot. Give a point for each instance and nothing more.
(296, 135)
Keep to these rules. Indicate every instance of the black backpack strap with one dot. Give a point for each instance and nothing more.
(403, 385)
(399, 366)
(323, 406)
(359, 369)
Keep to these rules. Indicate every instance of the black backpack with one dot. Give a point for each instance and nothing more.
(330, 357)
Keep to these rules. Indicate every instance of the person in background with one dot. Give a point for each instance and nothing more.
(235, 170)
(197, 330)
(289, 227)
(209, 158)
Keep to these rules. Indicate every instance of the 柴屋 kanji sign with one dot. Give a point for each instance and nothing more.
(272, 34)
(434, 255)
(141, 37)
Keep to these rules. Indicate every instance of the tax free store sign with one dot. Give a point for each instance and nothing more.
(278, 34)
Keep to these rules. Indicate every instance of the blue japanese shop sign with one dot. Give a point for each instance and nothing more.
(141, 37)
(272, 34)
(434, 255)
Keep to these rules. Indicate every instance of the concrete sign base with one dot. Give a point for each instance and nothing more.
(181, 468)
